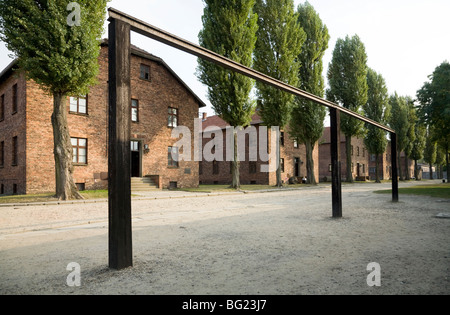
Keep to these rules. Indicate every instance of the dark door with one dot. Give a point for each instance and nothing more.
(135, 159)
(297, 167)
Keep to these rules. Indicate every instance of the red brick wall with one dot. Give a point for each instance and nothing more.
(35, 171)
(288, 153)
(361, 158)
(13, 125)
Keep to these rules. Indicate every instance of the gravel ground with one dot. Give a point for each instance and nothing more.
(273, 243)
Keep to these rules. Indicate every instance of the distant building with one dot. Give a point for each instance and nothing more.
(359, 153)
(293, 158)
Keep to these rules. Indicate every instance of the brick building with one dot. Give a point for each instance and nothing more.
(360, 157)
(293, 157)
(160, 101)
(363, 163)
(384, 165)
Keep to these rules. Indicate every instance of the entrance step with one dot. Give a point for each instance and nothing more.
(143, 184)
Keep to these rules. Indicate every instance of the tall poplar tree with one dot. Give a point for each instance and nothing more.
(411, 135)
(418, 146)
(347, 76)
(434, 109)
(280, 40)
(306, 123)
(229, 29)
(430, 150)
(58, 48)
(399, 122)
(376, 108)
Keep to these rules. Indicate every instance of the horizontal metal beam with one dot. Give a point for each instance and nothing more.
(157, 34)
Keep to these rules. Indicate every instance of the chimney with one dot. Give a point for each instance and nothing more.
(205, 116)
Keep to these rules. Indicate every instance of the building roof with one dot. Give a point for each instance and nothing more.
(135, 51)
(8, 70)
(216, 121)
(144, 54)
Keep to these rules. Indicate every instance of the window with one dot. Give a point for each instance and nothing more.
(78, 105)
(145, 72)
(282, 165)
(252, 168)
(173, 117)
(15, 146)
(172, 157)
(79, 147)
(282, 138)
(364, 169)
(330, 168)
(357, 151)
(134, 146)
(2, 107)
(2, 189)
(2, 154)
(134, 110)
(373, 157)
(14, 100)
(352, 150)
(215, 167)
(296, 143)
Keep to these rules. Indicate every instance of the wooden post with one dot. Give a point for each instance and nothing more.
(119, 177)
(336, 186)
(394, 167)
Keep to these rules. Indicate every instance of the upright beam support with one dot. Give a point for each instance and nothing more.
(119, 177)
(336, 186)
(394, 167)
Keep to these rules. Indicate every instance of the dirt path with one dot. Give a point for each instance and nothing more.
(261, 243)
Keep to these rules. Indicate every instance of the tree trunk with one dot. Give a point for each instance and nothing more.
(377, 163)
(279, 181)
(399, 166)
(416, 170)
(447, 160)
(65, 186)
(235, 166)
(310, 176)
(348, 150)
(408, 175)
(431, 171)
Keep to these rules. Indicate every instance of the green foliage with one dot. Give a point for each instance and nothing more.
(307, 117)
(434, 109)
(399, 120)
(229, 29)
(376, 108)
(430, 148)
(412, 119)
(279, 43)
(347, 76)
(61, 58)
(419, 141)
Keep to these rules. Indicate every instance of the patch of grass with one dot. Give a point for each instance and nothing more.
(48, 197)
(438, 191)
(94, 194)
(226, 188)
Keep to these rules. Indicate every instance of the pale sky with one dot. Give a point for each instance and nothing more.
(405, 39)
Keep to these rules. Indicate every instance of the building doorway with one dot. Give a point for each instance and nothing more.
(135, 159)
(297, 167)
